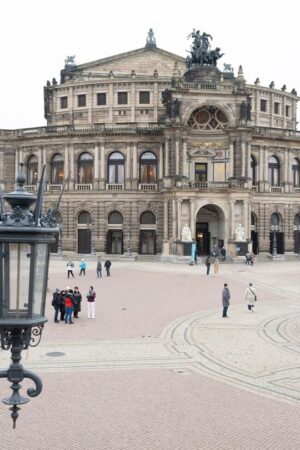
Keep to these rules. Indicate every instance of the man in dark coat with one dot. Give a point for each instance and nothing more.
(56, 303)
(77, 297)
(225, 299)
(107, 265)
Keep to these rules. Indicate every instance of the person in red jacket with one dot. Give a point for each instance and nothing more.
(69, 306)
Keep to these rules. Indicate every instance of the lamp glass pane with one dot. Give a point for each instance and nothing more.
(40, 278)
(17, 276)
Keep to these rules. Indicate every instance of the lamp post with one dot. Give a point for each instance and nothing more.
(128, 245)
(59, 243)
(274, 245)
(25, 240)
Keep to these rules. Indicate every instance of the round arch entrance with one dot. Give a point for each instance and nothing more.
(210, 229)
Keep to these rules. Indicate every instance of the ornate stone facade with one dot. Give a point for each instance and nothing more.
(146, 145)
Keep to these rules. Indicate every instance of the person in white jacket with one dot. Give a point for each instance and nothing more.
(250, 297)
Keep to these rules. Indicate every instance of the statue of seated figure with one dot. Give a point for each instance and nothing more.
(186, 234)
(240, 234)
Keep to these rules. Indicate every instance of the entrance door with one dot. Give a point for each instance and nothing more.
(297, 241)
(84, 241)
(254, 238)
(147, 242)
(202, 238)
(115, 242)
(279, 241)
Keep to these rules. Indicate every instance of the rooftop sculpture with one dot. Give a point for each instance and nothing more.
(201, 53)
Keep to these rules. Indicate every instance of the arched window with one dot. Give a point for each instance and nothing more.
(116, 168)
(147, 218)
(85, 168)
(32, 170)
(275, 220)
(115, 218)
(297, 222)
(253, 221)
(296, 172)
(253, 170)
(57, 169)
(84, 218)
(274, 171)
(148, 168)
(208, 118)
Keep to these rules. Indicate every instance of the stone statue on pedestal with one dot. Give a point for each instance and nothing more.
(240, 234)
(186, 235)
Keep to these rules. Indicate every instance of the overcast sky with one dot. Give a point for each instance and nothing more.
(37, 35)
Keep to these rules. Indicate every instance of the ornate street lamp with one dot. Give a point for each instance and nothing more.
(92, 241)
(274, 245)
(25, 239)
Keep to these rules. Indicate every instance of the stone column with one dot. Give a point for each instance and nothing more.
(166, 224)
(290, 171)
(102, 165)
(111, 103)
(249, 173)
(132, 101)
(40, 162)
(192, 218)
(128, 167)
(231, 203)
(185, 166)
(96, 166)
(243, 159)
(231, 159)
(266, 164)
(177, 172)
(90, 104)
(72, 168)
(160, 162)
(66, 163)
(246, 218)
(174, 219)
(167, 158)
(155, 102)
(134, 166)
(179, 219)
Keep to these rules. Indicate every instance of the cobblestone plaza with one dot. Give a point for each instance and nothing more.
(160, 369)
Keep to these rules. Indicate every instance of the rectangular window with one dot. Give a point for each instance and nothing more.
(287, 111)
(145, 97)
(276, 108)
(263, 105)
(81, 100)
(200, 172)
(63, 102)
(122, 98)
(101, 98)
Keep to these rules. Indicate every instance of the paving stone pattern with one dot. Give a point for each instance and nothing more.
(160, 369)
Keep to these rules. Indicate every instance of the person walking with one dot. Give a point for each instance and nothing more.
(91, 295)
(250, 297)
(77, 297)
(107, 265)
(223, 253)
(216, 267)
(99, 269)
(82, 266)
(208, 264)
(56, 302)
(225, 299)
(69, 305)
(252, 258)
(70, 267)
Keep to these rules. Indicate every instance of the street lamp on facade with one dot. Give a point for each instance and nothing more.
(128, 245)
(274, 229)
(25, 240)
(92, 241)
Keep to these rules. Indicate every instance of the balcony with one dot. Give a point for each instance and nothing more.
(276, 188)
(147, 187)
(83, 187)
(114, 187)
(31, 187)
(54, 187)
(212, 186)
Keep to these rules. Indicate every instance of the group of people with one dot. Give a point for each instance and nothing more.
(209, 261)
(67, 303)
(250, 298)
(83, 267)
(250, 258)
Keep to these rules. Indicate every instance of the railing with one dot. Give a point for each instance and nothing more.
(148, 187)
(31, 187)
(276, 189)
(54, 187)
(83, 187)
(205, 186)
(276, 131)
(114, 187)
(297, 190)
